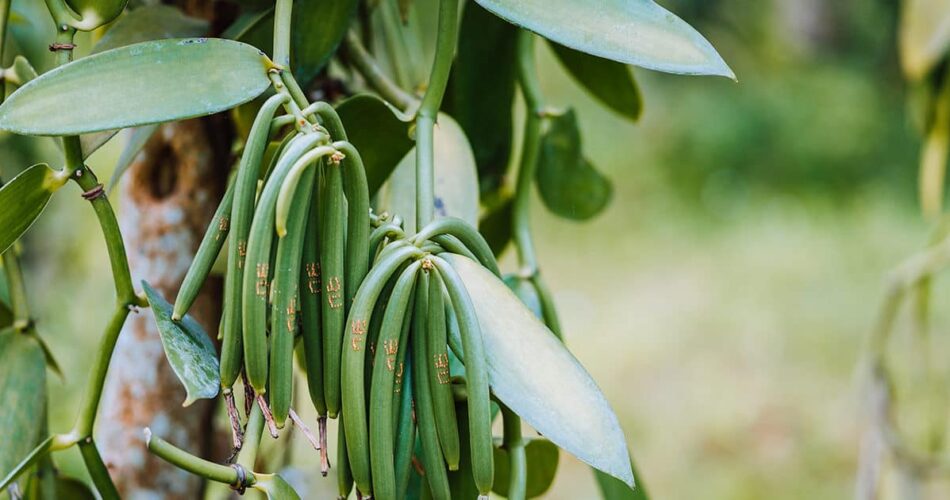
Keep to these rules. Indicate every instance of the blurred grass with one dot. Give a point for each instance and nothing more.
(722, 300)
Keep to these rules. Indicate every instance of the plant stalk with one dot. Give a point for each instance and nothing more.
(369, 69)
(513, 443)
(283, 14)
(534, 121)
(446, 40)
(97, 470)
(195, 465)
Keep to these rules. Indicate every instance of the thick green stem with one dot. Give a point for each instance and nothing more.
(97, 470)
(195, 465)
(517, 461)
(97, 375)
(282, 19)
(252, 439)
(364, 63)
(531, 89)
(4, 19)
(447, 37)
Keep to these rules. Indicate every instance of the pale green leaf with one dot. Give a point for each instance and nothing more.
(379, 132)
(318, 28)
(569, 185)
(137, 139)
(151, 22)
(637, 32)
(613, 489)
(532, 373)
(149, 82)
(924, 35)
(275, 487)
(23, 199)
(456, 179)
(608, 81)
(23, 392)
(188, 348)
(541, 456)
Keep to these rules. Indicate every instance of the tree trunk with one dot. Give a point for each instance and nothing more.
(167, 200)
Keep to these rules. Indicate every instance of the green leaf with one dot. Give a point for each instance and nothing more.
(608, 81)
(275, 487)
(149, 82)
(524, 289)
(456, 179)
(924, 35)
(65, 487)
(23, 392)
(542, 459)
(482, 91)
(462, 481)
(613, 489)
(637, 32)
(539, 379)
(22, 70)
(188, 348)
(318, 28)
(379, 132)
(151, 22)
(568, 183)
(495, 225)
(23, 199)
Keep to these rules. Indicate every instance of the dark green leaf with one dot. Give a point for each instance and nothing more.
(568, 183)
(275, 487)
(608, 81)
(23, 392)
(924, 35)
(613, 489)
(23, 199)
(65, 488)
(637, 32)
(189, 350)
(380, 134)
(246, 27)
(318, 28)
(144, 83)
(456, 179)
(462, 481)
(151, 22)
(542, 458)
(495, 225)
(482, 90)
(539, 379)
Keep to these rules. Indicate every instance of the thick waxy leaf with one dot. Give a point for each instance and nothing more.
(456, 179)
(524, 289)
(97, 12)
(542, 458)
(147, 82)
(532, 372)
(568, 183)
(608, 81)
(318, 28)
(482, 90)
(275, 487)
(379, 132)
(150, 22)
(924, 36)
(64, 487)
(23, 199)
(137, 139)
(637, 32)
(613, 489)
(188, 349)
(23, 392)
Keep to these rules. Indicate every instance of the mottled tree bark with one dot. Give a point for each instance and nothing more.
(166, 202)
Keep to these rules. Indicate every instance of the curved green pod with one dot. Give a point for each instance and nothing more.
(285, 300)
(466, 234)
(432, 460)
(310, 308)
(440, 380)
(476, 377)
(386, 366)
(332, 245)
(242, 213)
(256, 284)
(354, 359)
(208, 250)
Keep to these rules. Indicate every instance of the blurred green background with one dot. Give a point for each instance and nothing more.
(723, 298)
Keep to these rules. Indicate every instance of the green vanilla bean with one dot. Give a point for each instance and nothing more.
(208, 250)
(466, 234)
(353, 363)
(440, 380)
(381, 428)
